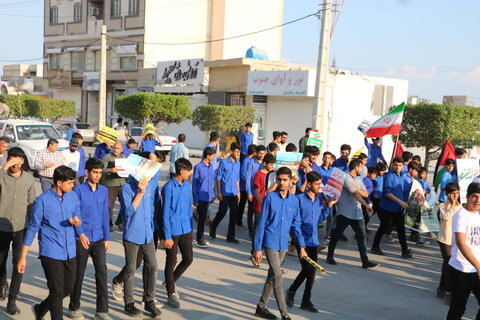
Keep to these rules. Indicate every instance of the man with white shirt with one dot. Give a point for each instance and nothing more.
(71, 157)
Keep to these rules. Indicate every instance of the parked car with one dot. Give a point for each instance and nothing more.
(84, 129)
(167, 141)
(32, 136)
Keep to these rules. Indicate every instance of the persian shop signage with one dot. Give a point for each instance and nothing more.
(281, 83)
(180, 72)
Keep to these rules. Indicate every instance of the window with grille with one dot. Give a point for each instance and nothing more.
(77, 12)
(53, 15)
(116, 10)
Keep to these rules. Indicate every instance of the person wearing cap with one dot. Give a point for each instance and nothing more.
(374, 152)
(71, 157)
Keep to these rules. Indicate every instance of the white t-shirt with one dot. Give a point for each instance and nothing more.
(71, 159)
(469, 223)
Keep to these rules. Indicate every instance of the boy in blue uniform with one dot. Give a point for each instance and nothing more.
(252, 152)
(447, 177)
(342, 162)
(94, 241)
(228, 186)
(56, 217)
(280, 214)
(246, 139)
(177, 227)
(148, 143)
(253, 167)
(374, 152)
(368, 182)
(313, 210)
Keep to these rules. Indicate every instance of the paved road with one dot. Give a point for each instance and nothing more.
(222, 284)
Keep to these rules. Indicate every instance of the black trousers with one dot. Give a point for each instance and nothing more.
(241, 207)
(307, 273)
(228, 202)
(445, 279)
(202, 210)
(172, 273)
(97, 252)
(16, 240)
(113, 194)
(358, 226)
(60, 275)
(387, 220)
(462, 285)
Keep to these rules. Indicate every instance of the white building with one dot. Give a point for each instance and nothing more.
(141, 33)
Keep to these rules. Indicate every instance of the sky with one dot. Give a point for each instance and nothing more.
(432, 43)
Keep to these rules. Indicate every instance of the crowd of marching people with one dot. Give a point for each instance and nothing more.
(74, 217)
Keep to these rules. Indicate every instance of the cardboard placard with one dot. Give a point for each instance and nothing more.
(107, 134)
(419, 215)
(333, 188)
(288, 159)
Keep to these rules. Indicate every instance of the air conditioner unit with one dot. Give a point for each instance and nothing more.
(94, 11)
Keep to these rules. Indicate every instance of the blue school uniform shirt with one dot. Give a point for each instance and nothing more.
(325, 173)
(279, 216)
(101, 151)
(368, 182)
(246, 140)
(378, 187)
(69, 133)
(177, 208)
(424, 184)
(50, 218)
(229, 174)
(203, 182)
(253, 167)
(94, 211)
(214, 162)
(394, 184)
(138, 224)
(374, 153)
(148, 145)
(312, 212)
(83, 160)
(301, 179)
(126, 152)
(243, 173)
(341, 164)
(447, 177)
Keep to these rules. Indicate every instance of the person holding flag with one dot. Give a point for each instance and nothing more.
(374, 152)
(448, 152)
(390, 123)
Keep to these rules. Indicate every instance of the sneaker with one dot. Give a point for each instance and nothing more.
(202, 243)
(102, 316)
(132, 311)
(152, 308)
(75, 314)
(173, 301)
(420, 242)
(330, 260)
(264, 313)
(308, 306)
(164, 284)
(289, 298)
(233, 240)
(12, 308)
(117, 290)
(407, 254)
(389, 238)
(36, 311)
(377, 250)
(369, 264)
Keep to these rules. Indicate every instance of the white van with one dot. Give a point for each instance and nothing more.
(32, 136)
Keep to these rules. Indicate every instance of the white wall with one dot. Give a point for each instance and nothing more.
(195, 138)
(70, 93)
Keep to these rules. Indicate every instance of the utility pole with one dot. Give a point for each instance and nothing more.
(322, 69)
(102, 93)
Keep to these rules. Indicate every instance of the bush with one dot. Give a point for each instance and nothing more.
(17, 104)
(222, 118)
(50, 108)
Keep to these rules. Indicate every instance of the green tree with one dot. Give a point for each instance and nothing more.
(16, 103)
(428, 125)
(50, 108)
(154, 108)
(211, 117)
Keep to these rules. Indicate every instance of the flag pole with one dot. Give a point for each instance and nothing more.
(394, 148)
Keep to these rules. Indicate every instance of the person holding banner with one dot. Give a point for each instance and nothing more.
(349, 213)
(392, 208)
(313, 210)
(280, 214)
(342, 162)
(447, 177)
(464, 265)
(447, 210)
(102, 149)
(148, 141)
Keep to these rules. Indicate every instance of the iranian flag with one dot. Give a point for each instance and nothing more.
(387, 124)
(448, 152)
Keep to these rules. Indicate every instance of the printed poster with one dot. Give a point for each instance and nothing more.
(288, 159)
(120, 166)
(141, 168)
(364, 126)
(333, 188)
(107, 134)
(420, 216)
(467, 170)
(314, 139)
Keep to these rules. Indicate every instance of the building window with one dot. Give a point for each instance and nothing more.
(133, 7)
(128, 63)
(77, 12)
(77, 61)
(55, 61)
(97, 57)
(116, 10)
(53, 15)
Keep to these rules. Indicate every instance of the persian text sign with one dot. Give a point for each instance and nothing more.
(315, 139)
(333, 188)
(467, 170)
(288, 159)
(180, 72)
(281, 83)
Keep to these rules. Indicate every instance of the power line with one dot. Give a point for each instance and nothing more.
(216, 40)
